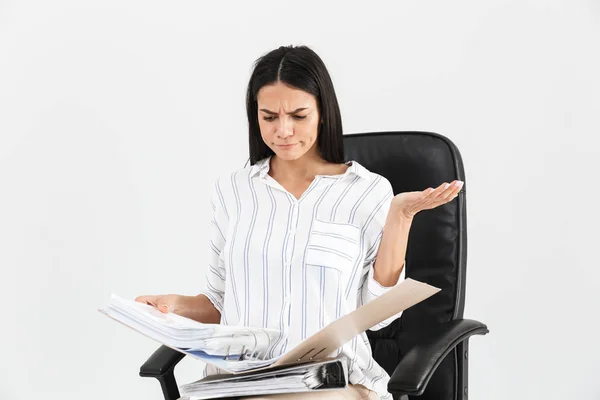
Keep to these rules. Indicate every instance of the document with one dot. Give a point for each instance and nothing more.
(238, 349)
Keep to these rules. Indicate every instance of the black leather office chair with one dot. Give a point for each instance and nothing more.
(426, 350)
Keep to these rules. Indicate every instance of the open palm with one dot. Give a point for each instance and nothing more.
(410, 203)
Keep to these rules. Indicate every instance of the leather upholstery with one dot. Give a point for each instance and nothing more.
(437, 244)
(416, 367)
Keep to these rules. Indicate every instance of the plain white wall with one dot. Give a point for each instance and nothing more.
(116, 117)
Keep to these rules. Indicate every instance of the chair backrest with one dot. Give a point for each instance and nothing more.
(437, 245)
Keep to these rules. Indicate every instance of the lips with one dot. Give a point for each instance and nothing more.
(286, 146)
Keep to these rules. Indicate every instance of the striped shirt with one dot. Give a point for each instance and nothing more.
(296, 265)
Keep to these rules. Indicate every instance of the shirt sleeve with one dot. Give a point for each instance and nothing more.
(214, 287)
(369, 288)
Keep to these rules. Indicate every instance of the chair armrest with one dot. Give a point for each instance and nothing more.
(160, 365)
(162, 361)
(418, 365)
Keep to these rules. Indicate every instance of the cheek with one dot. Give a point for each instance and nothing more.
(309, 133)
(266, 132)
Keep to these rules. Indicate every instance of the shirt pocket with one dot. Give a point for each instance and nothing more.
(331, 254)
(333, 245)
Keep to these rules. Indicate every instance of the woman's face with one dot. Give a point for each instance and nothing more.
(289, 120)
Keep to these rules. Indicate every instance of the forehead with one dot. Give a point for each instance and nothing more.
(280, 95)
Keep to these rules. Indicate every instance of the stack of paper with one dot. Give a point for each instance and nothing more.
(220, 343)
(247, 347)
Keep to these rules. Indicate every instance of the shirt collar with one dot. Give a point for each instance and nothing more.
(357, 169)
(261, 168)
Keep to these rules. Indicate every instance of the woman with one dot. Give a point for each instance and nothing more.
(301, 237)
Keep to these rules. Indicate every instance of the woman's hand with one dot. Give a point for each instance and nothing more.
(198, 308)
(408, 204)
(175, 303)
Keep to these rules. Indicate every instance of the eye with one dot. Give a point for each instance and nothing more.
(296, 117)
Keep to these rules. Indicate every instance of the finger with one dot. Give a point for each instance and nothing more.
(459, 188)
(427, 192)
(141, 299)
(164, 308)
(451, 192)
(149, 300)
(458, 185)
(432, 198)
(441, 190)
(445, 193)
(453, 189)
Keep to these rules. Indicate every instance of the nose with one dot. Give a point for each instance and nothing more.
(284, 128)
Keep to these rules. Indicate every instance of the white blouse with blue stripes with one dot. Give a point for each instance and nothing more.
(298, 264)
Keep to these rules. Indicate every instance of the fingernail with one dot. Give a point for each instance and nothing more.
(459, 183)
(446, 186)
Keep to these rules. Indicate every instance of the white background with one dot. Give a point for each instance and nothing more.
(117, 116)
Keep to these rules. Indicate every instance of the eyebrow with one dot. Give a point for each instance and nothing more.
(292, 112)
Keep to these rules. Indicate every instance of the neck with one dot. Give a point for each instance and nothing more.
(304, 168)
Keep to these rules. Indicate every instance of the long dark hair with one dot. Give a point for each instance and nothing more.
(301, 68)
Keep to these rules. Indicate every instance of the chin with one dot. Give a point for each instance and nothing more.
(288, 155)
